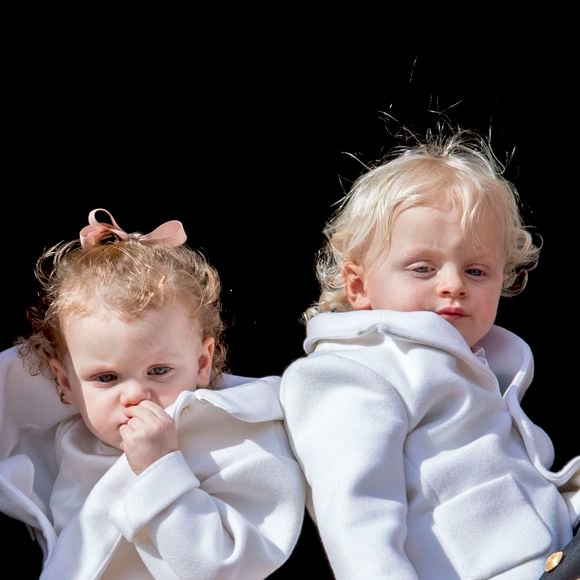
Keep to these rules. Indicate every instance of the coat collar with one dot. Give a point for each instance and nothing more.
(509, 357)
(248, 399)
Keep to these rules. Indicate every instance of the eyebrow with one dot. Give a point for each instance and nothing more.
(479, 255)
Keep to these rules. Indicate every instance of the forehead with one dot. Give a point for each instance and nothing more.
(175, 315)
(470, 222)
(434, 225)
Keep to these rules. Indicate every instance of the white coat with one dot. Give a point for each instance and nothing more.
(421, 461)
(228, 505)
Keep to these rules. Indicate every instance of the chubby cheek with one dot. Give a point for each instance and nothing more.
(488, 302)
(92, 415)
(399, 300)
(489, 315)
(166, 399)
(100, 416)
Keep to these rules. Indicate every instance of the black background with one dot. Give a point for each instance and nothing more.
(250, 151)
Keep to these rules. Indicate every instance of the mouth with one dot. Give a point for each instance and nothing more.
(451, 314)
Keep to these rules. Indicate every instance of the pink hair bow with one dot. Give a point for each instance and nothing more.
(170, 233)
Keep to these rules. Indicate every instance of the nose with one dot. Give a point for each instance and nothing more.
(133, 392)
(451, 283)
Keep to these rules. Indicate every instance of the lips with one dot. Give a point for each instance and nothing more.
(451, 313)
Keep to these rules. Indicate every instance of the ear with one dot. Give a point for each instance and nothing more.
(354, 285)
(62, 380)
(204, 362)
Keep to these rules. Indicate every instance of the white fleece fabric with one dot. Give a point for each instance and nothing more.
(228, 505)
(420, 459)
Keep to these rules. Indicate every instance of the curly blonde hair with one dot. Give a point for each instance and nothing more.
(456, 171)
(130, 277)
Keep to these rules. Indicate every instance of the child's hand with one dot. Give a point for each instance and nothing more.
(148, 435)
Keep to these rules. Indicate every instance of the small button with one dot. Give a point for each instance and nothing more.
(553, 560)
(185, 409)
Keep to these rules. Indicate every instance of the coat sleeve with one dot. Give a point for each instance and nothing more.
(241, 522)
(348, 427)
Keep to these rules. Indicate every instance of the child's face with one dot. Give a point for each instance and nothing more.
(431, 265)
(113, 364)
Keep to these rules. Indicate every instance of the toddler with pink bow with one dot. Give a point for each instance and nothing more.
(125, 446)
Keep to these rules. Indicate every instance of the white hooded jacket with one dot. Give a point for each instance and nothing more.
(228, 505)
(421, 461)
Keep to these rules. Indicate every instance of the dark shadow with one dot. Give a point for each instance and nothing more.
(19, 546)
(308, 560)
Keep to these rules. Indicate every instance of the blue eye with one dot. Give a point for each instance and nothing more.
(422, 269)
(475, 272)
(159, 371)
(106, 378)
